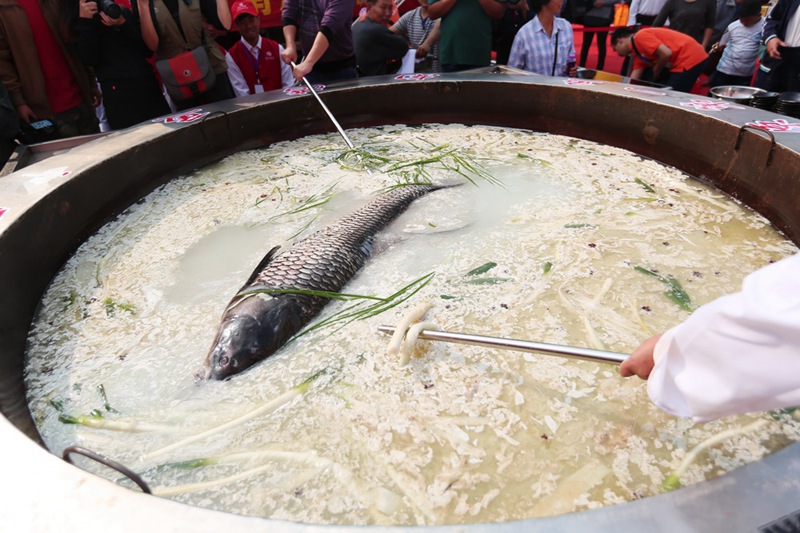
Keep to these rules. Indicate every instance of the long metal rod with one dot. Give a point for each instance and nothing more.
(333, 119)
(570, 352)
(328, 112)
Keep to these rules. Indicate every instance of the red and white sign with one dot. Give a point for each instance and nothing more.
(301, 90)
(710, 105)
(777, 126)
(184, 117)
(3, 211)
(415, 77)
(645, 91)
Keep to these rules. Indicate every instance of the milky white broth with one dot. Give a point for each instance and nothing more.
(462, 434)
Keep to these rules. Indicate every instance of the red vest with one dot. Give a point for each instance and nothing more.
(268, 62)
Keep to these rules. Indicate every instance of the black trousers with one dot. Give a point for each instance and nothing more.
(783, 74)
(684, 81)
(594, 22)
(645, 20)
(129, 102)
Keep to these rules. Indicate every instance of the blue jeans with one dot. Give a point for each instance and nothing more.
(780, 75)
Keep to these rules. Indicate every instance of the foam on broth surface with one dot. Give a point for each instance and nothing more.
(460, 435)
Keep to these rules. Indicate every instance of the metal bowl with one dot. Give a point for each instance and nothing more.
(50, 207)
(735, 93)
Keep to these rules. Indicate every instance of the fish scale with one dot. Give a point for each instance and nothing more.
(255, 325)
(328, 258)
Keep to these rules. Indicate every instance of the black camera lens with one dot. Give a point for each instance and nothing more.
(110, 8)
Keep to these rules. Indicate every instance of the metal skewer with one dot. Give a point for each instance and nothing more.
(330, 116)
(570, 352)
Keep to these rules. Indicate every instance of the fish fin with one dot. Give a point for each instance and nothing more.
(367, 246)
(264, 262)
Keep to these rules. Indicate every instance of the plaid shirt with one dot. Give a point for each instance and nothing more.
(533, 49)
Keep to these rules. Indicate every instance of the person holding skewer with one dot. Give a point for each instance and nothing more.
(326, 39)
(737, 354)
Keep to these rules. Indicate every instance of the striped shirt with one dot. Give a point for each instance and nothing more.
(416, 29)
(533, 50)
(741, 49)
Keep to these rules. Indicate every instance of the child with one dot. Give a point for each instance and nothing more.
(740, 47)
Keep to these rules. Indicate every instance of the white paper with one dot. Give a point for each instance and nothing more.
(408, 62)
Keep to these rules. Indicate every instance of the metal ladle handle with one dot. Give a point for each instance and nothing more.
(570, 352)
(330, 116)
(327, 111)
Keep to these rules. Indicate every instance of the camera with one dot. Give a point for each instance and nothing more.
(110, 8)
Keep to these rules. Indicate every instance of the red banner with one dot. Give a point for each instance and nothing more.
(269, 12)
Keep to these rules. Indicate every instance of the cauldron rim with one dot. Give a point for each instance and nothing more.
(51, 495)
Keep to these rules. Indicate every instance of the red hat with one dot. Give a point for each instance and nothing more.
(240, 7)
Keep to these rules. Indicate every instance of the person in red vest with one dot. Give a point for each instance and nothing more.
(254, 63)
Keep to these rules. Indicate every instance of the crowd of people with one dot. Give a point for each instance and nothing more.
(60, 59)
(678, 55)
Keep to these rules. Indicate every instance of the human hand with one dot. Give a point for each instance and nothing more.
(573, 72)
(108, 21)
(302, 70)
(422, 51)
(212, 30)
(640, 363)
(599, 3)
(772, 48)
(87, 9)
(26, 113)
(289, 55)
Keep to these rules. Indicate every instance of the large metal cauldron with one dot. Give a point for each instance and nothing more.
(52, 206)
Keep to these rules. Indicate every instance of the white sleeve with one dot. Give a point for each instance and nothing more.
(236, 77)
(287, 74)
(632, 13)
(725, 36)
(737, 354)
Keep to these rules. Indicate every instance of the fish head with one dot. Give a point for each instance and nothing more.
(250, 332)
(238, 345)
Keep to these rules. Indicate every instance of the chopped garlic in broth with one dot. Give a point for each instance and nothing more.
(332, 429)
